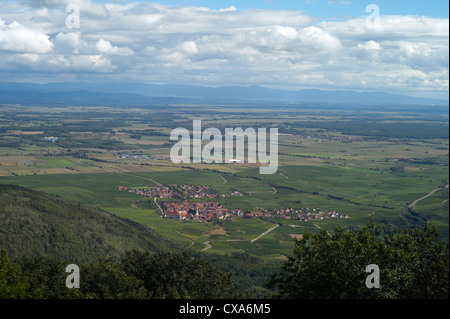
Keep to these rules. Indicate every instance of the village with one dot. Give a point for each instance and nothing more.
(329, 138)
(199, 211)
(176, 191)
(302, 214)
(208, 211)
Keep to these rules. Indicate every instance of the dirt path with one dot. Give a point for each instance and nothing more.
(208, 246)
(162, 212)
(224, 180)
(322, 229)
(325, 189)
(424, 197)
(273, 191)
(147, 179)
(265, 233)
(192, 242)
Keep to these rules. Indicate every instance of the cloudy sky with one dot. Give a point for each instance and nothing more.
(398, 48)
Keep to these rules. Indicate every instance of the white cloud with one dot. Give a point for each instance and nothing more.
(232, 8)
(27, 58)
(91, 63)
(71, 40)
(189, 47)
(186, 44)
(318, 39)
(60, 63)
(15, 37)
(411, 49)
(106, 47)
(390, 27)
(369, 46)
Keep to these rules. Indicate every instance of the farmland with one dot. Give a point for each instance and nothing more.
(370, 164)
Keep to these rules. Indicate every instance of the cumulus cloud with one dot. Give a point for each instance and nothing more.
(319, 39)
(61, 63)
(106, 47)
(70, 41)
(15, 37)
(197, 45)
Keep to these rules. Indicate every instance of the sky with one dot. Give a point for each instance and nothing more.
(324, 9)
(400, 47)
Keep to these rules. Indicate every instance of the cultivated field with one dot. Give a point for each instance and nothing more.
(374, 164)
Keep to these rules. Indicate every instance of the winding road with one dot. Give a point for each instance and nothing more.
(208, 246)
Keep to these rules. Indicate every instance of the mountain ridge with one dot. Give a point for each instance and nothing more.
(142, 94)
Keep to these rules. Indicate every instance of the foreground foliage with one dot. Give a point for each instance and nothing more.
(413, 264)
(138, 275)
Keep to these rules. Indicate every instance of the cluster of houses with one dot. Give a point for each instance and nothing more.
(339, 139)
(302, 214)
(175, 191)
(157, 191)
(51, 139)
(199, 211)
(138, 156)
(195, 191)
(346, 139)
(207, 211)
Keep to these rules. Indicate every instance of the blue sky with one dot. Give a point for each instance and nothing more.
(324, 9)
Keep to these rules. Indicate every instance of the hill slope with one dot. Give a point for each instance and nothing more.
(36, 223)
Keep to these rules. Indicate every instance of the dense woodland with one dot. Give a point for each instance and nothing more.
(35, 223)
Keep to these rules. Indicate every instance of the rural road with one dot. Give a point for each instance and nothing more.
(322, 229)
(284, 176)
(265, 233)
(147, 179)
(208, 246)
(424, 197)
(162, 212)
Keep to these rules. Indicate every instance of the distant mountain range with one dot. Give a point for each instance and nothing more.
(139, 94)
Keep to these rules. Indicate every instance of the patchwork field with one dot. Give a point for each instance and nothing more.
(327, 162)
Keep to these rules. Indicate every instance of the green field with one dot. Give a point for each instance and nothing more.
(368, 165)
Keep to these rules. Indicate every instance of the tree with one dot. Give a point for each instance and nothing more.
(177, 274)
(106, 279)
(46, 277)
(412, 265)
(12, 282)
